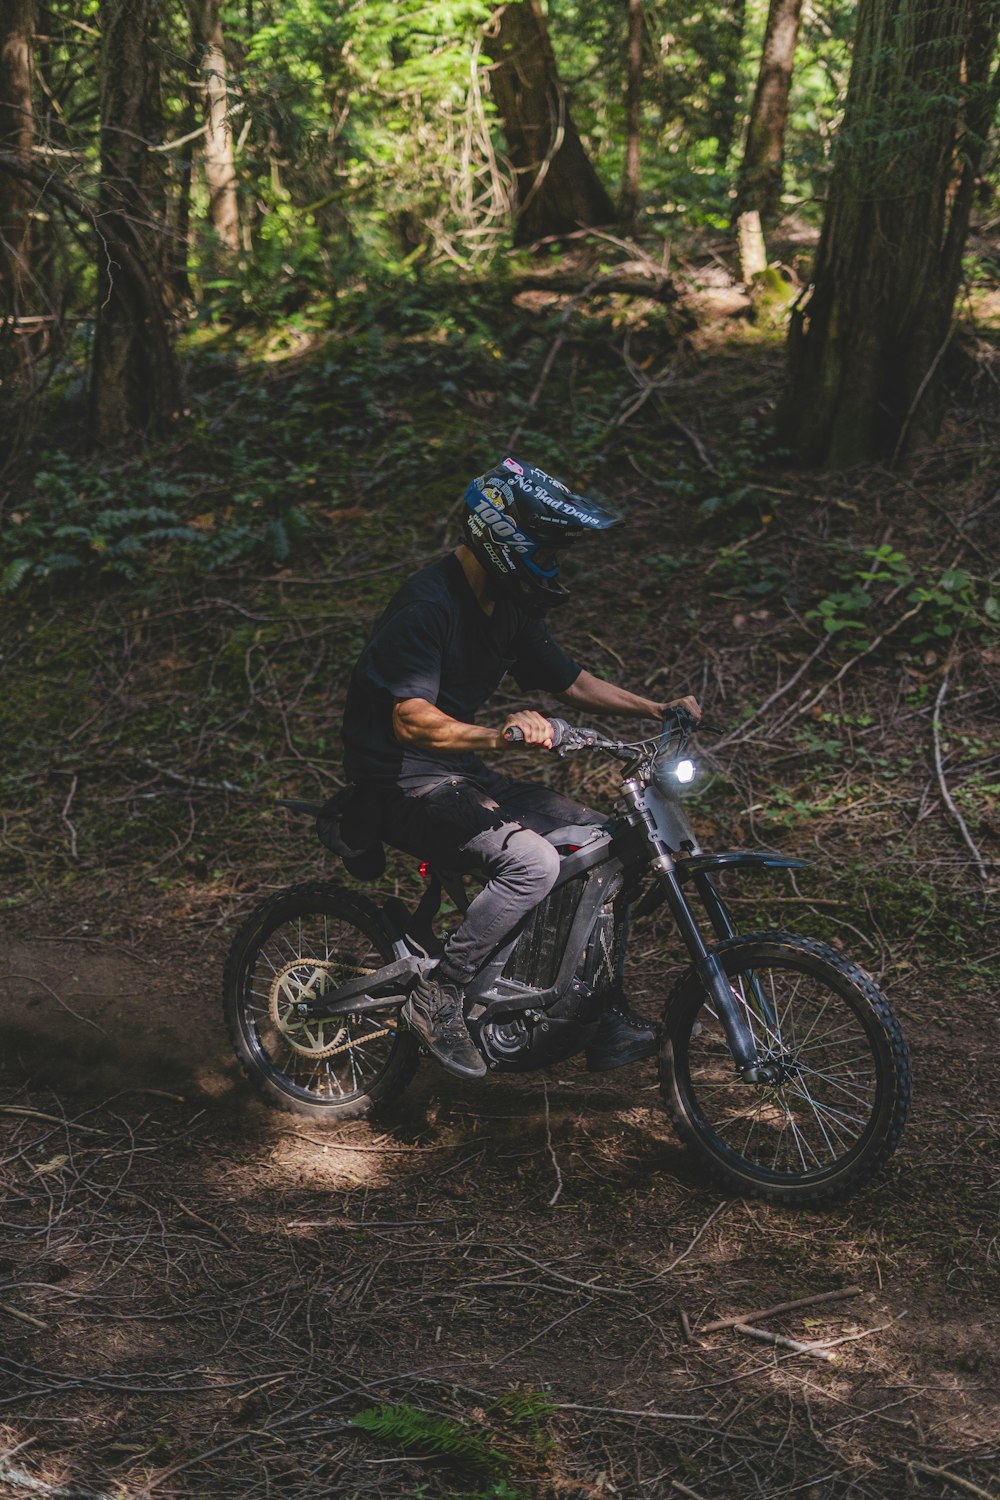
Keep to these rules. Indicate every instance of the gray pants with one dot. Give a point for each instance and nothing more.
(490, 826)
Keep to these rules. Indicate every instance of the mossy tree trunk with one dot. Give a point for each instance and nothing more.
(761, 173)
(17, 135)
(866, 348)
(217, 157)
(134, 384)
(558, 190)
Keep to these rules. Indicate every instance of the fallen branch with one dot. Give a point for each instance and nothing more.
(946, 1474)
(783, 1342)
(34, 979)
(804, 708)
(15, 1312)
(552, 1149)
(192, 781)
(770, 1312)
(659, 287)
(946, 796)
(737, 735)
(38, 1114)
(206, 1224)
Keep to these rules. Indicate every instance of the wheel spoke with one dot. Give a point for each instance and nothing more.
(804, 1125)
(330, 1058)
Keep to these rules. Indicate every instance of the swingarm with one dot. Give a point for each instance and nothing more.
(356, 996)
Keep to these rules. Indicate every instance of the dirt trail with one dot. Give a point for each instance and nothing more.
(198, 1289)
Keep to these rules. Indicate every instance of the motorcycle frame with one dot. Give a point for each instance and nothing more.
(650, 832)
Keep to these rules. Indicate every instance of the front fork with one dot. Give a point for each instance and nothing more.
(708, 965)
(710, 970)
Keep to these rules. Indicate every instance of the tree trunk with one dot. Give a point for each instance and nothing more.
(217, 158)
(724, 115)
(558, 190)
(866, 349)
(17, 134)
(628, 198)
(761, 174)
(134, 384)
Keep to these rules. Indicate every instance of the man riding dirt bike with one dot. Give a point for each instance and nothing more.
(442, 647)
(780, 1061)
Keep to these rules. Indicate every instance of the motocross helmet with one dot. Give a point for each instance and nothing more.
(515, 520)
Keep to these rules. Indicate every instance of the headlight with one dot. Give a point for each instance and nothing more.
(684, 771)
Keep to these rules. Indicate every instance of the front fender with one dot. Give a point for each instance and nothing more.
(687, 865)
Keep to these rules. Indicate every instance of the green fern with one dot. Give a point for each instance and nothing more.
(423, 1433)
(14, 574)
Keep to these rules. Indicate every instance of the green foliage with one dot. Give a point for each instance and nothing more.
(940, 604)
(75, 521)
(424, 1433)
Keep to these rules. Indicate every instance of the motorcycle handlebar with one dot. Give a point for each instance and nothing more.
(515, 736)
(576, 737)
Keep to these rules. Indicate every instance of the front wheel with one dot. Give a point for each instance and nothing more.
(835, 1114)
(299, 944)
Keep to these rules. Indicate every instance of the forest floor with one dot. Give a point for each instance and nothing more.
(198, 1296)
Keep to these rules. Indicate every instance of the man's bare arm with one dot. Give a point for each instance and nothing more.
(415, 721)
(588, 691)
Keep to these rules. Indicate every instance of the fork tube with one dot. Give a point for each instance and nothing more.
(707, 963)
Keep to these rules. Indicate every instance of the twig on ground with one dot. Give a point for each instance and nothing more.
(38, 1114)
(15, 1312)
(65, 816)
(852, 1338)
(34, 979)
(780, 692)
(784, 1343)
(950, 1478)
(946, 796)
(684, 1489)
(206, 1224)
(552, 1152)
(194, 781)
(804, 708)
(620, 1411)
(780, 1307)
(686, 1252)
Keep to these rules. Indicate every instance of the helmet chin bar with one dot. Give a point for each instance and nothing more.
(517, 520)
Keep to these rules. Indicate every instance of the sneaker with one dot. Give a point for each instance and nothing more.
(622, 1037)
(434, 1013)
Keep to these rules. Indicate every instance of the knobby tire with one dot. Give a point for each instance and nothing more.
(836, 1117)
(309, 935)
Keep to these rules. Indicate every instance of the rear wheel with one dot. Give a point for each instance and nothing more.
(834, 1115)
(300, 944)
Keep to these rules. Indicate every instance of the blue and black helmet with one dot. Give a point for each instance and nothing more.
(516, 520)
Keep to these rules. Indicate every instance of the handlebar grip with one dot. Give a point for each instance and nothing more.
(513, 735)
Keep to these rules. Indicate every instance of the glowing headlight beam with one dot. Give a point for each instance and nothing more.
(684, 771)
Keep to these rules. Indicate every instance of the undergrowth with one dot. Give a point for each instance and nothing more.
(181, 621)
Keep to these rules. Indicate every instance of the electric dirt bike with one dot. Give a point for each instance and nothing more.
(781, 1063)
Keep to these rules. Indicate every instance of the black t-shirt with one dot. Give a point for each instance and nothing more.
(435, 642)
